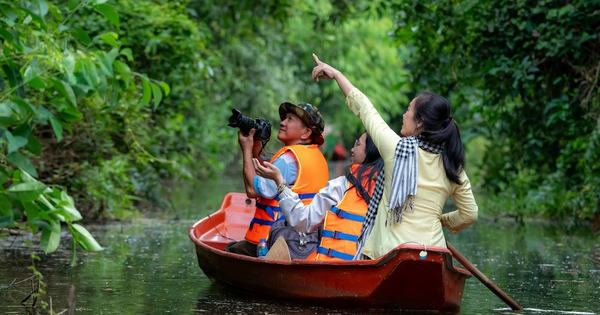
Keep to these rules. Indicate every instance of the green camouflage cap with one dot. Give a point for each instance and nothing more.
(309, 114)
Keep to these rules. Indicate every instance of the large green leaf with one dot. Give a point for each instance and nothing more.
(24, 108)
(127, 53)
(165, 87)
(50, 237)
(112, 55)
(8, 36)
(157, 94)
(23, 162)
(7, 116)
(46, 204)
(105, 64)
(73, 4)
(124, 71)
(24, 130)
(33, 79)
(85, 239)
(14, 142)
(111, 39)
(81, 35)
(34, 146)
(3, 177)
(109, 12)
(146, 91)
(14, 77)
(39, 7)
(31, 211)
(24, 176)
(57, 128)
(70, 114)
(68, 63)
(69, 211)
(26, 191)
(65, 89)
(5, 203)
(68, 204)
(89, 72)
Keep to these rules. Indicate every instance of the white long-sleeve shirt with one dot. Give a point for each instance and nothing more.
(308, 218)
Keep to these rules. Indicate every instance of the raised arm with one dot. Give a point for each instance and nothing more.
(383, 136)
(249, 151)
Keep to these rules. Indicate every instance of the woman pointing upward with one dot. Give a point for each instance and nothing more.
(424, 165)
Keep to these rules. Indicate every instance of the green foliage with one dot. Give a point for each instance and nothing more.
(53, 77)
(525, 75)
(264, 60)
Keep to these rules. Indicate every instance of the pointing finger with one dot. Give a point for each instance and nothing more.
(317, 59)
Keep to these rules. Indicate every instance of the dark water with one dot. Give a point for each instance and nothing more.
(149, 267)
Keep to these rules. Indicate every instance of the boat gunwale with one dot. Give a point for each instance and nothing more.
(353, 263)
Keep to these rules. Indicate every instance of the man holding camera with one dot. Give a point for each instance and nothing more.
(300, 161)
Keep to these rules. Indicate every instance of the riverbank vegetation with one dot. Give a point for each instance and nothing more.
(102, 102)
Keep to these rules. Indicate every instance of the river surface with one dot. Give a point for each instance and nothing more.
(149, 267)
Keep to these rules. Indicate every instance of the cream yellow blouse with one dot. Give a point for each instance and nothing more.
(424, 224)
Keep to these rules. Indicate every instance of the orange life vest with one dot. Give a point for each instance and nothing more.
(313, 174)
(342, 226)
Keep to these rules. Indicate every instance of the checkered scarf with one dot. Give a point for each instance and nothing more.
(404, 186)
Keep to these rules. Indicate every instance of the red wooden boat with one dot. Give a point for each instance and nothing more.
(399, 279)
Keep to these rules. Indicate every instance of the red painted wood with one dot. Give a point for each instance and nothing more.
(399, 279)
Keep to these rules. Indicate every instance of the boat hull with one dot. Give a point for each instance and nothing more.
(400, 279)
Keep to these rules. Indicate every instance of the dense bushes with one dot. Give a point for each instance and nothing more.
(89, 116)
(527, 71)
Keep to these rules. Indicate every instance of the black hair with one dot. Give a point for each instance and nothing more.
(439, 128)
(367, 170)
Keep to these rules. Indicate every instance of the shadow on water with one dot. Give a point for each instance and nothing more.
(149, 266)
(223, 299)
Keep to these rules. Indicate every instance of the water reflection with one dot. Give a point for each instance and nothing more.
(221, 299)
(149, 267)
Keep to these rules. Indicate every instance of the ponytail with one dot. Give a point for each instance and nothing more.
(439, 128)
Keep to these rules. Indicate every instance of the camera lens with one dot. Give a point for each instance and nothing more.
(262, 126)
(238, 120)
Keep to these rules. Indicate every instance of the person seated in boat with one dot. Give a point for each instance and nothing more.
(301, 162)
(340, 207)
(423, 167)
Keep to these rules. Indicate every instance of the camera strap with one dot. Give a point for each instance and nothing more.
(262, 149)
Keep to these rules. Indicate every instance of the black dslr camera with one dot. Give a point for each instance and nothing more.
(262, 126)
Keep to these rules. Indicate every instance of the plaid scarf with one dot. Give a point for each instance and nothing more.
(404, 186)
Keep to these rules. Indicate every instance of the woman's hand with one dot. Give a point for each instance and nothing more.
(323, 70)
(268, 171)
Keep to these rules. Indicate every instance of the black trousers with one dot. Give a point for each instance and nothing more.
(242, 247)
